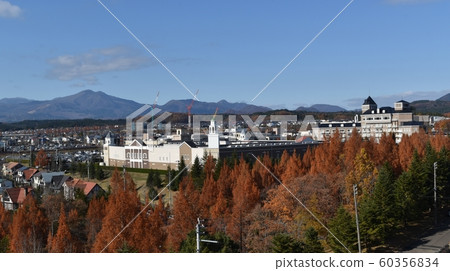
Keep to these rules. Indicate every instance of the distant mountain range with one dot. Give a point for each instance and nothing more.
(326, 108)
(90, 104)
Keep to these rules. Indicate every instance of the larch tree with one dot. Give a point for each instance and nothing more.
(62, 242)
(123, 204)
(351, 148)
(185, 213)
(29, 230)
(363, 175)
(293, 168)
(5, 221)
(245, 196)
(95, 215)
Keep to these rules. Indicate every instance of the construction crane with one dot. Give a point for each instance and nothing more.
(215, 113)
(189, 109)
(153, 107)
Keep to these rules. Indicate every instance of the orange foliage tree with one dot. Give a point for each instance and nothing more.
(41, 159)
(185, 213)
(245, 196)
(62, 242)
(29, 229)
(122, 207)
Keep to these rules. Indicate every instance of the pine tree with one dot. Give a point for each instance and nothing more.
(311, 242)
(196, 173)
(410, 191)
(284, 243)
(344, 228)
(378, 211)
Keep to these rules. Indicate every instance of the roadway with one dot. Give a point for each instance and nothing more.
(434, 240)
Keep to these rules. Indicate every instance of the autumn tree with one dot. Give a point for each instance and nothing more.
(362, 175)
(94, 217)
(185, 213)
(29, 229)
(123, 204)
(261, 173)
(245, 197)
(351, 148)
(5, 221)
(293, 168)
(262, 229)
(41, 159)
(62, 241)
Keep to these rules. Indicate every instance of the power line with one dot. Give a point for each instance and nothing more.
(301, 203)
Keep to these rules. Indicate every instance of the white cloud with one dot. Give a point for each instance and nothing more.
(7, 10)
(85, 66)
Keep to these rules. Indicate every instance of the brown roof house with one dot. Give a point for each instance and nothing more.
(13, 198)
(89, 189)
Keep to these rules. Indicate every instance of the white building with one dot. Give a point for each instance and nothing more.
(374, 122)
(157, 155)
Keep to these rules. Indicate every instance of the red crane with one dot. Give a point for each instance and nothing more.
(189, 109)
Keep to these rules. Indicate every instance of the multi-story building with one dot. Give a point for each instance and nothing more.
(374, 122)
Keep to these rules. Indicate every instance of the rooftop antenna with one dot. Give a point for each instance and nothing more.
(189, 109)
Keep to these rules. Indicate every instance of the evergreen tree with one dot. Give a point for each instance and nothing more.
(284, 243)
(410, 191)
(311, 242)
(344, 228)
(379, 211)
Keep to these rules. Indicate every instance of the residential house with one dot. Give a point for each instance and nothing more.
(57, 182)
(44, 179)
(25, 176)
(13, 198)
(11, 167)
(90, 189)
(5, 184)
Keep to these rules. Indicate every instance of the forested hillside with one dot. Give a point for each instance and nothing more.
(247, 210)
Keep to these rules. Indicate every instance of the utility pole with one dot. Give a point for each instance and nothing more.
(124, 182)
(198, 227)
(197, 231)
(355, 193)
(435, 195)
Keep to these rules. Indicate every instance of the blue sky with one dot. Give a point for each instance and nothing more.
(389, 49)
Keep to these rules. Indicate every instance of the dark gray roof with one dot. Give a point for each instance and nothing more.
(369, 100)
